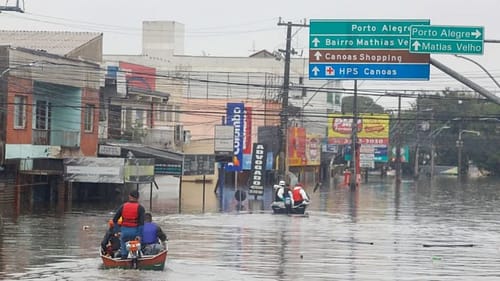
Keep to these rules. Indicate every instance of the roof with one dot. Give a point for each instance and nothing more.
(262, 54)
(54, 42)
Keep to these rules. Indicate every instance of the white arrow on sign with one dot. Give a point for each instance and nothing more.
(416, 45)
(476, 33)
(315, 70)
(315, 41)
(318, 55)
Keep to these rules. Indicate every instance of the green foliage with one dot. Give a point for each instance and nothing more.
(457, 111)
(364, 105)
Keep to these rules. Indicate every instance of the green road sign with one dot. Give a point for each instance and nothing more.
(437, 39)
(361, 34)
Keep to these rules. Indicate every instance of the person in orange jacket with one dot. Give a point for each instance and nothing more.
(299, 195)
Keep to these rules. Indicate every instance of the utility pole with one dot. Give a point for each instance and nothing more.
(398, 143)
(417, 128)
(283, 157)
(354, 139)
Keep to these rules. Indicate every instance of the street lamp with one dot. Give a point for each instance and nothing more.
(480, 66)
(433, 136)
(460, 145)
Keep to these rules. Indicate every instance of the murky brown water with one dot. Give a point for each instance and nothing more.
(375, 233)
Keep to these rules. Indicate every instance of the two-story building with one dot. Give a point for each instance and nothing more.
(49, 92)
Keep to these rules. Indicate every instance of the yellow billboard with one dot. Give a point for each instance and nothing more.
(369, 126)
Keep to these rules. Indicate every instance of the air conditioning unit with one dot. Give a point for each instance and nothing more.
(178, 133)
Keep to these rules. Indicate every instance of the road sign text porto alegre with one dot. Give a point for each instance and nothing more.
(438, 39)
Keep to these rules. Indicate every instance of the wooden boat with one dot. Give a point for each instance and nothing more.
(135, 260)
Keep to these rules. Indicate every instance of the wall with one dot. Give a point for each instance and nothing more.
(24, 87)
(89, 140)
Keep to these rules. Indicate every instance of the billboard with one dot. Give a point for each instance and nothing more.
(139, 76)
(371, 128)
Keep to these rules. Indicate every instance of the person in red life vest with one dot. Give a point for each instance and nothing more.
(132, 214)
(153, 238)
(299, 195)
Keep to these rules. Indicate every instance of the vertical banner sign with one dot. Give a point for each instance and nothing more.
(235, 116)
(247, 145)
(257, 179)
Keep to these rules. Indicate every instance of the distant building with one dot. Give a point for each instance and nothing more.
(194, 83)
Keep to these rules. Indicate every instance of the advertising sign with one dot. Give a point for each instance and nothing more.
(139, 76)
(313, 150)
(139, 170)
(199, 164)
(371, 129)
(296, 146)
(94, 169)
(235, 116)
(257, 178)
(224, 140)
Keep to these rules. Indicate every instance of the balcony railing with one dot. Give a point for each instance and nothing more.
(41, 137)
(56, 138)
(65, 138)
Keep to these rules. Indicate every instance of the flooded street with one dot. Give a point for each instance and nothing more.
(442, 231)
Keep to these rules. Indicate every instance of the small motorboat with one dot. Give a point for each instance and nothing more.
(279, 208)
(135, 259)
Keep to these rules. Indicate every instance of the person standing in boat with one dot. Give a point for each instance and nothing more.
(132, 214)
(152, 236)
(299, 195)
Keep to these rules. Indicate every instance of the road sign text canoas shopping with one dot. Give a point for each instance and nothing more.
(437, 39)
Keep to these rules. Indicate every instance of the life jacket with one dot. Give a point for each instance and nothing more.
(130, 214)
(297, 197)
(149, 233)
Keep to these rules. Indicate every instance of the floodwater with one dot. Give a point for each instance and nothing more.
(419, 231)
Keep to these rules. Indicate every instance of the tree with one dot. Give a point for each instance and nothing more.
(364, 105)
(458, 110)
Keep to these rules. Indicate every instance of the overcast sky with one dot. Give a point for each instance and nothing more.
(238, 28)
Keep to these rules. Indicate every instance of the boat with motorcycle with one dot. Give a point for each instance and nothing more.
(136, 259)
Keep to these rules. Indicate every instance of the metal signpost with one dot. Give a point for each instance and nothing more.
(365, 49)
(442, 39)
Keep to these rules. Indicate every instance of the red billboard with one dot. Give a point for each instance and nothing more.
(139, 76)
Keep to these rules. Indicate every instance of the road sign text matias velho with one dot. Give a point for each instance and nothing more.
(435, 39)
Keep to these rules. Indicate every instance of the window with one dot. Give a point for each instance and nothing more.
(19, 112)
(161, 113)
(42, 115)
(177, 113)
(170, 113)
(88, 122)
